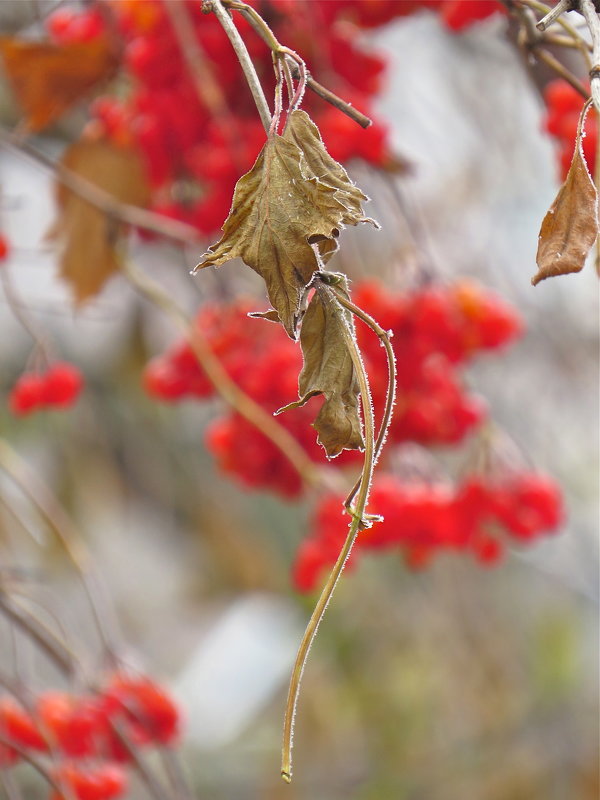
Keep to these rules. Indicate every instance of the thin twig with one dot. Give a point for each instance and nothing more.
(542, 8)
(554, 14)
(21, 314)
(332, 98)
(175, 774)
(241, 52)
(200, 67)
(51, 510)
(10, 785)
(46, 640)
(244, 405)
(262, 29)
(35, 763)
(384, 337)
(156, 789)
(588, 9)
(100, 199)
(561, 70)
(358, 522)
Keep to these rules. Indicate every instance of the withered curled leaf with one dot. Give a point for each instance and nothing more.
(328, 369)
(270, 316)
(286, 215)
(570, 226)
(89, 241)
(47, 78)
(304, 133)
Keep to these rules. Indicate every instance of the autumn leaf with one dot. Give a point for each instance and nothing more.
(286, 215)
(47, 79)
(328, 369)
(90, 240)
(304, 133)
(270, 316)
(570, 227)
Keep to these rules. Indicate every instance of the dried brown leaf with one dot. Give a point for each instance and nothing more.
(270, 316)
(328, 369)
(47, 79)
(88, 239)
(570, 227)
(286, 215)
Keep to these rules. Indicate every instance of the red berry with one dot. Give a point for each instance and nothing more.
(164, 381)
(100, 782)
(145, 706)
(62, 385)
(27, 394)
(74, 722)
(19, 726)
(4, 248)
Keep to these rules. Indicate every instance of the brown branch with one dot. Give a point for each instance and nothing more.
(588, 9)
(245, 61)
(267, 35)
(56, 650)
(100, 199)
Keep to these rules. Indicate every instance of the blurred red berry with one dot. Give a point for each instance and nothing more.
(27, 394)
(18, 725)
(62, 385)
(91, 782)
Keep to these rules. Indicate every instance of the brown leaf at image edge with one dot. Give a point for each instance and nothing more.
(570, 226)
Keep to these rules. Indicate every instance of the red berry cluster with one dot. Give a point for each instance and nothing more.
(461, 14)
(189, 137)
(92, 734)
(435, 329)
(564, 105)
(264, 363)
(58, 387)
(456, 14)
(422, 519)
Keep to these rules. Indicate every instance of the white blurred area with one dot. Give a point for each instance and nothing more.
(463, 112)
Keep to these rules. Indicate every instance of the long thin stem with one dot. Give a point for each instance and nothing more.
(588, 9)
(241, 52)
(327, 298)
(244, 405)
(561, 70)
(51, 510)
(36, 764)
(20, 312)
(56, 650)
(200, 67)
(384, 337)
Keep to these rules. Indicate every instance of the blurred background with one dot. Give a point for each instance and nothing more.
(455, 682)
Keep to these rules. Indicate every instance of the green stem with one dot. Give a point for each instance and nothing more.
(327, 298)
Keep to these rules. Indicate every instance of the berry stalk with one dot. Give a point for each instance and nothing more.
(358, 523)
